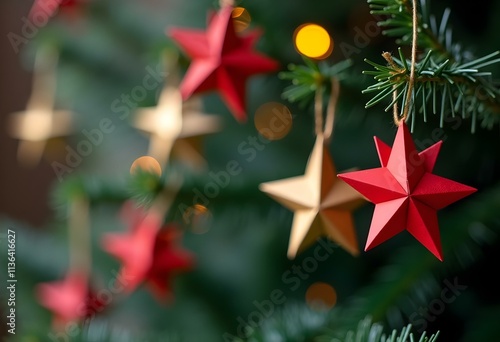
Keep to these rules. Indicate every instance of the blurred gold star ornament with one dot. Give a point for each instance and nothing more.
(321, 203)
(174, 124)
(39, 122)
(170, 125)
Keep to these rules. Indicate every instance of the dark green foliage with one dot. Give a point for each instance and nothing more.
(449, 80)
(241, 257)
(307, 78)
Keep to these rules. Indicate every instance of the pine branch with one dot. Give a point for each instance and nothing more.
(367, 331)
(410, 277)
(449, 79)
(408, 282)
(399, 24)
(299, 323)
(104, 332)
(307, 78)
(293, 322)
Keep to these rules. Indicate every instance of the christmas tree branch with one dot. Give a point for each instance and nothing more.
(307, 78)
(411, 280)
(447, 78)
(368, 331)
(411, 276)
(295, 322)
(399, 24)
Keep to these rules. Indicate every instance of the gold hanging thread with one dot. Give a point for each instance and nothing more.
(321, 202)
(326, 128)
(406, 108)
(80, 259)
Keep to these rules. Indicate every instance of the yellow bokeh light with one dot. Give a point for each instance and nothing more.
(273, 120)
(241, 19)
(321, 296)
(146, 163)
(313, 41)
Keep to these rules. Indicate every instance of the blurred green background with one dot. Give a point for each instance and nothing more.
(104, 53)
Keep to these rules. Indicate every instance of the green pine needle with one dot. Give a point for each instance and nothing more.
(367, 331)
(307, 78)
(455, 82)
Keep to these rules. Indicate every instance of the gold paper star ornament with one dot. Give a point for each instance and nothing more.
(322, 203)
(172, 123)
(39, 122)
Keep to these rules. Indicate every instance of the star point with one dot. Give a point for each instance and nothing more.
(406, 194)
(321, 203)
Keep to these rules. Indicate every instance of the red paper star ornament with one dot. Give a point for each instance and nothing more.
(406, 194)
(48, 8)
(169, 260)
(149, 253)
(69, 299)
(221, 60)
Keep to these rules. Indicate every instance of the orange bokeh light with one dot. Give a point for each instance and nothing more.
(146, 163)
(241, 19)
(321, 296)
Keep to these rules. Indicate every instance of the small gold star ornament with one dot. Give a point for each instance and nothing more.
(322, 203)
(39, 122)
(174, 125)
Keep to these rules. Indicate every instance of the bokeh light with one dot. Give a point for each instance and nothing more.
(313, 41)
(146, 163)
(273, 120)
(241, 19)
(321, 296)
(197, 218)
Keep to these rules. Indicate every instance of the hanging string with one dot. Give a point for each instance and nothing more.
(224, 3)
(330, 110)
(170, 61)
(44, 79)
(326, 128)
(162, 204)
(318, 110)
(406, 109)
(80, 260)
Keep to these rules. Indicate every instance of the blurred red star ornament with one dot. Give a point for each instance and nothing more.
(221, 60)
(149, 253)
(406, 194)
(70, 299)
(41, 10)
